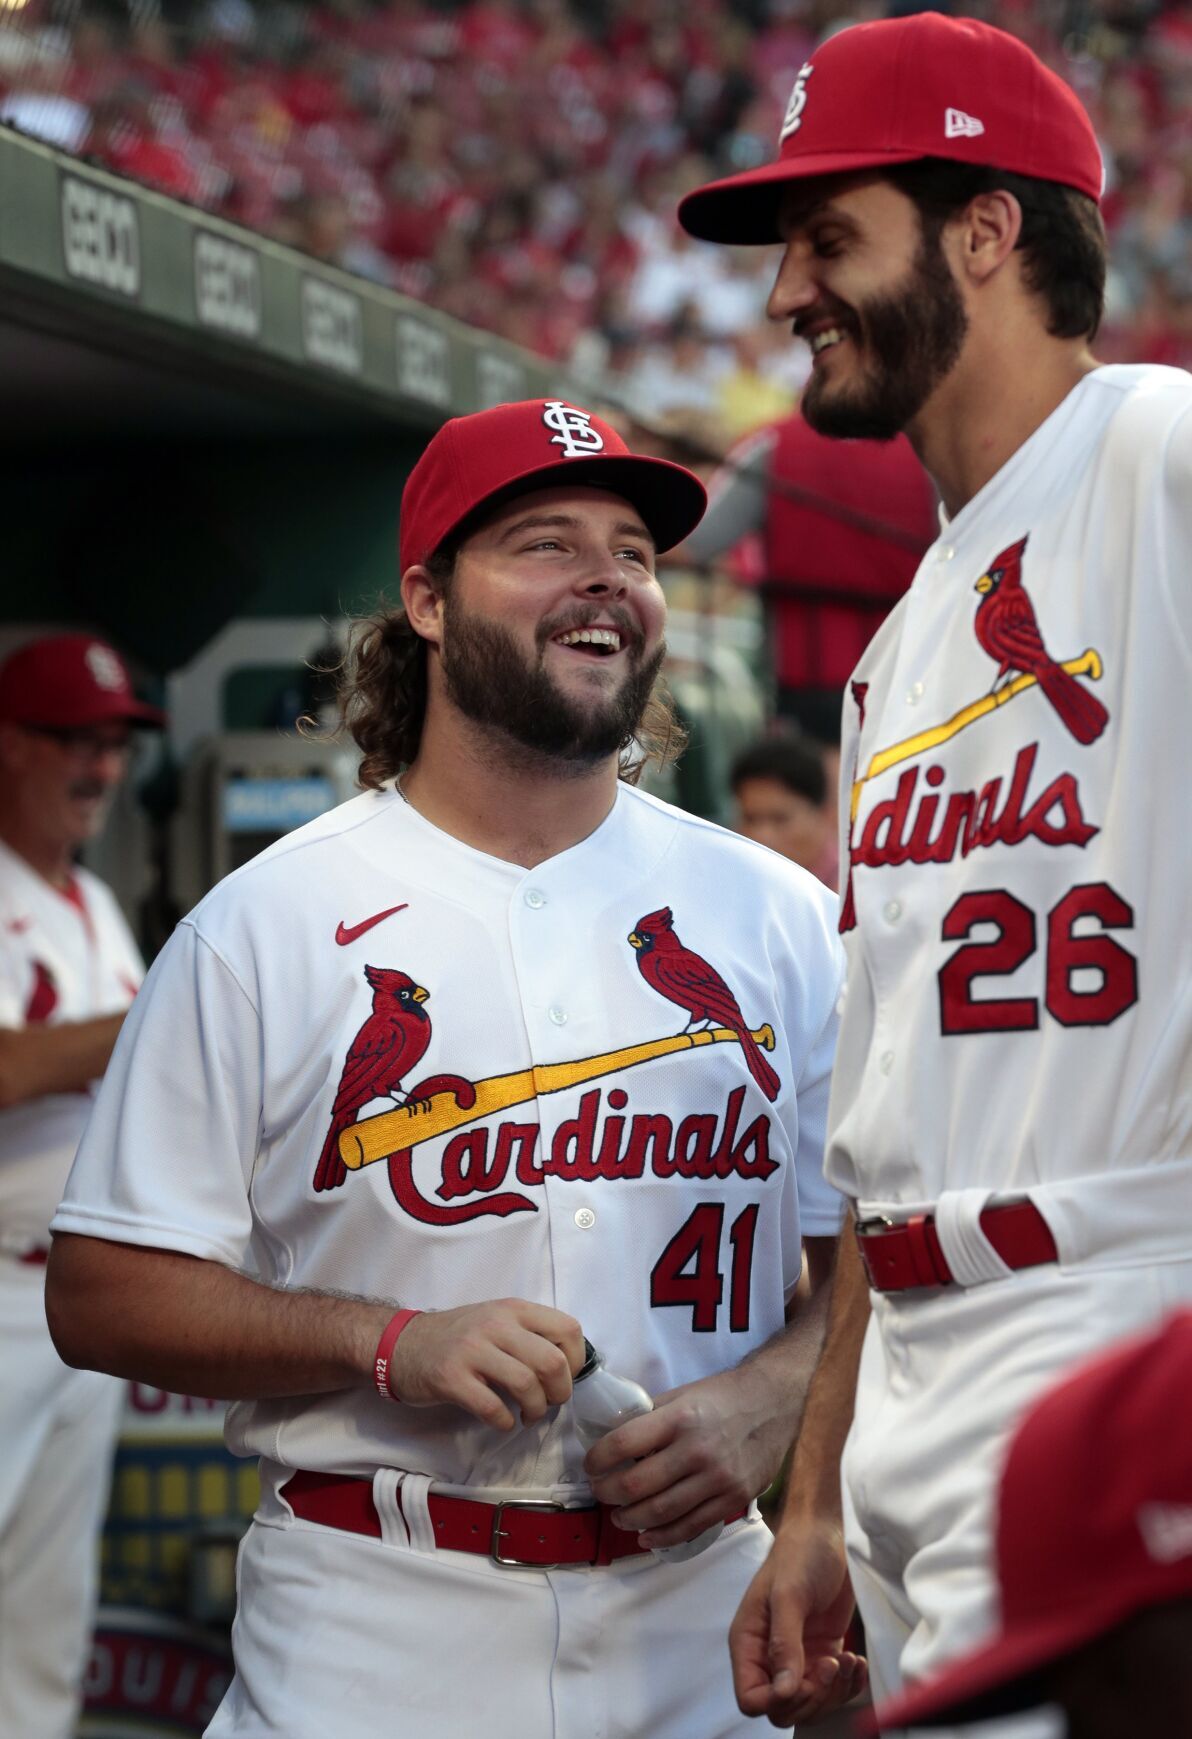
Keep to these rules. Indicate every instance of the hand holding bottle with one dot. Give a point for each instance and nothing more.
(601, 1402)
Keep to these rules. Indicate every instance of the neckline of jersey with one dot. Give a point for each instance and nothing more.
(515, 871)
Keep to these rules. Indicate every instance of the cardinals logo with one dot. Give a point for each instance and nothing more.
(391, 1042)
(1006, 627)
(687, 980)
(479, 1157)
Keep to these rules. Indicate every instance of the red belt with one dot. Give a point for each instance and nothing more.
(898, 1257)
(537, 1536)
(37, 1258)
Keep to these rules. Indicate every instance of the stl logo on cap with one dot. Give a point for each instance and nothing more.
(105, 668)
(576, 435)
(793, 119)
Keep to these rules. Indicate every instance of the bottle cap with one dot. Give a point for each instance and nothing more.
(592, 1362)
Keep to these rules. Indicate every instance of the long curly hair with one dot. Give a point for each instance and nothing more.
(382, 697)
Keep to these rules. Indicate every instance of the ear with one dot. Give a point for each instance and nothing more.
(989, 232)
(423, 603)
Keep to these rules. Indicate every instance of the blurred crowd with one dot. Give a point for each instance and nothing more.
(517, 163)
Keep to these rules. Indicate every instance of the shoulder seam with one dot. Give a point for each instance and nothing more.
(211, 948)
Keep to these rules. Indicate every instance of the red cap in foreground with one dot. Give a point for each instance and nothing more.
(70, 681)
(902, 88)
(1094, 1525)
(481, 460)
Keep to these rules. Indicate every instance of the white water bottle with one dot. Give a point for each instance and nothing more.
(600, 1401)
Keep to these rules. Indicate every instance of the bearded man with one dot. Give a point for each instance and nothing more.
(409, 1106)
(1011, 1114)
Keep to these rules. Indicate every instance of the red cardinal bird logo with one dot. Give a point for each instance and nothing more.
(391, 1042)
(684, 978)
(1006, 628)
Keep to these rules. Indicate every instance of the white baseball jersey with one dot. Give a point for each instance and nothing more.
(63, 957)
(1016, 915)
(564, 1139)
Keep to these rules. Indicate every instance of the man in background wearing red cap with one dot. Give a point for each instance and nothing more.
(488, 1058)
(1010, 1111)
(1094, 1558)
(68, 970)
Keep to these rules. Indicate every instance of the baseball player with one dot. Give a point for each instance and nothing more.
(68, 970)
(1010, 1109)
(489, 1059)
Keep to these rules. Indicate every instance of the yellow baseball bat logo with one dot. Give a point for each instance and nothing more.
(1088, 664)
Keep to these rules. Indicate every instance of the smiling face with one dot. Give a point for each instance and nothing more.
(876, 300)
(550, 632)
(60, 784)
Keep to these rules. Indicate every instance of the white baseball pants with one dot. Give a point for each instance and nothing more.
(368, 1639)
(945, 1376)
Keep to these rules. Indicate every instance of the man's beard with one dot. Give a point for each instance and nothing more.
(491, 681)
(909, 338)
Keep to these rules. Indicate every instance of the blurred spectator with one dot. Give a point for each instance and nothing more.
(1094, 1558)
(841, 527)
(781, 790)
(35, 71)
(753, 392)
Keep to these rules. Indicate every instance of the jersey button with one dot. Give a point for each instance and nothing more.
(535, 898)
(585, 1219)
(886, 1062)
(892, 911)
(557, 1015)
(947, 551)
(914, 693)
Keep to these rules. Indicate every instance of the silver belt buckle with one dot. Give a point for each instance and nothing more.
(494, 1545)
(874, 1223)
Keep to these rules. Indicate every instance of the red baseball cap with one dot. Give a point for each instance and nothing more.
(493, 455)
(68, 681)
(1094, 1525)
(903, 88)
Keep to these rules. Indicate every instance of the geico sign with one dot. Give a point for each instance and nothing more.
(423, 361)
(332, 328)
(227, 286)
(101, 237)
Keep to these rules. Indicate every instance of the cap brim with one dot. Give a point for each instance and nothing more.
(670, 499)
(1000, 1679)
(743, 209)
(130, 712)
(141, 713)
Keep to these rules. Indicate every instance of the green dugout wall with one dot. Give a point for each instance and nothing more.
(200, 423)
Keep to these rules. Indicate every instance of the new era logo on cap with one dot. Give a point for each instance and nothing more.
(1166, 1531)
(958, 125)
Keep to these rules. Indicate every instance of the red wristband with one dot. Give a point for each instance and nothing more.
(385, 1347)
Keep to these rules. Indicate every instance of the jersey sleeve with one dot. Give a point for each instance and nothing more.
(168, 1154)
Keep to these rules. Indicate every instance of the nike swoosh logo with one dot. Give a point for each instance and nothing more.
(350, 933)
